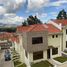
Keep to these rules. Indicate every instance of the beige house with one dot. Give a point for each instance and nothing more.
(54, 41)
(38, 42)
(62, 25)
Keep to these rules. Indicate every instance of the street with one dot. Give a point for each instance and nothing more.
(4, 63)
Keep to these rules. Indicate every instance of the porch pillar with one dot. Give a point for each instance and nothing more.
(50, 53)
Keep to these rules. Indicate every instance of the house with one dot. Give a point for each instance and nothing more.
(4, 40)
(62, 25)
(54, 41)
(38, 42)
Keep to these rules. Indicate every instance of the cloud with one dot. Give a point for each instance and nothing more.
(36, 4)
(11, 5)
(58, 3)
(2, 10)
(11, 19)
(8, 10)
(54, 13)
(41, 15)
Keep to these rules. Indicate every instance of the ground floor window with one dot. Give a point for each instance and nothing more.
(54, 51)
(38, 55)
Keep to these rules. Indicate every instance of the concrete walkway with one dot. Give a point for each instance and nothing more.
(56, 64)
(4, 63)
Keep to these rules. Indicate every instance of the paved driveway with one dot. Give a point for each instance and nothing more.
(4, 63)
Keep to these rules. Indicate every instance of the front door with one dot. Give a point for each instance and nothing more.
(48, 53)
(66, 44)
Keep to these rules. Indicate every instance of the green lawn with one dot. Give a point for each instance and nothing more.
(65, 51)
(23, 65)
(42, 64)
(61, 59)
(16, 63)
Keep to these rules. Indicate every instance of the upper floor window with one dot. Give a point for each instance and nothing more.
(37, 40)
(52, 36)
(66, 31)
(56, 36)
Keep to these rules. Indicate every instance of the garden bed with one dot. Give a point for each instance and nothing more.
(61, 59)
(16, 63)
(42, 64)
(23, 65)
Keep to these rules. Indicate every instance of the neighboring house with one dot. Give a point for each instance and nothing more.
(54, 41)
(38, 42)
(61, 24)
(4, 40)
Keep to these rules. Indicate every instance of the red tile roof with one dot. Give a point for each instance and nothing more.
(63, 22)
(52, 29)
(9, 36)
(38, 27)
(5, 35)
(35, 27)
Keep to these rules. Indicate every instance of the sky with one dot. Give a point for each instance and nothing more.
(16, 11)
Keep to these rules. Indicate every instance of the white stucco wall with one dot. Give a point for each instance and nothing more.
(15, 46)
(21, 49)
(64, 38)
(55, 42)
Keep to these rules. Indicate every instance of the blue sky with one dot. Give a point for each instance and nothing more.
(15, 11)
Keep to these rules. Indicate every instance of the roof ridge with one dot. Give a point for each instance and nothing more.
(54, 26)
(45, 25)
(32, 27)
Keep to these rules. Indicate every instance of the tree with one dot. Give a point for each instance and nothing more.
(62, 15)
(31, 20)
(24, 23)
(11, 29)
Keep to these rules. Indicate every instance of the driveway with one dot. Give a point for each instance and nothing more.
(4, 63)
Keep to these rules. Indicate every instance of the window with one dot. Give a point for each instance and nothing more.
(66, 31)
(37, 40)
(66, 44)
(56, 36)
(52, 36)
(37, 55)
(54, 51)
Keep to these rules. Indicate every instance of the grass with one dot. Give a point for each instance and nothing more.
(61, 59)
(23, 65)
(42, 64)
(16, 63)
(65, 51)
(16, 56)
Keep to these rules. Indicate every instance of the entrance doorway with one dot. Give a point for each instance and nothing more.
(48, 53)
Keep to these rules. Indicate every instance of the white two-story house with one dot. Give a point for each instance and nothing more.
(38, 42)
